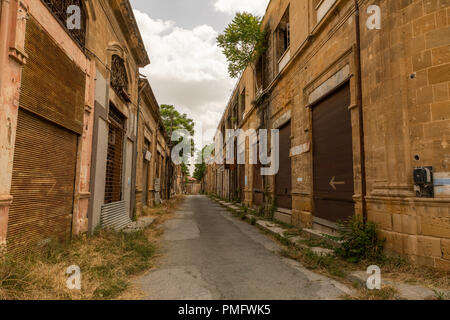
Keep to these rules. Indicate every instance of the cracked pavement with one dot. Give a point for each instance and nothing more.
(207, 254)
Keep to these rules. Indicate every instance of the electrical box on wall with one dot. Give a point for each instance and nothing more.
(423, 182)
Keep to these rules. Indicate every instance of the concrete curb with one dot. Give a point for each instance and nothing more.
(406, 291)
(277, 230)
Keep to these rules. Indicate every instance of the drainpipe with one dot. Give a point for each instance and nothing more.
(361, 111)
(135, 153)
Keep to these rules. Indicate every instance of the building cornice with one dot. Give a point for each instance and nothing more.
(124, 14)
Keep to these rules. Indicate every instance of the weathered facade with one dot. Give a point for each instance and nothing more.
(68, 120)
(153, 155)
(45, 152)
(193, 186)
(359, 107)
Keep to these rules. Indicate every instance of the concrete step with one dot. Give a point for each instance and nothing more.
(282, 216)
(320, 236)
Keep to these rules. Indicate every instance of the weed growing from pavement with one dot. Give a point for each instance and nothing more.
(441, 295)
(358, 240)
(385, 293)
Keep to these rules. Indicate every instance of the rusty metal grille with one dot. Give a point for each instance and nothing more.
(119, 78)
(59, 9)
(42, 184)
(114, 160)
(145, 170)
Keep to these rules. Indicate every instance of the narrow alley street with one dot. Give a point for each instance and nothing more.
(208, 254)
(225, 150)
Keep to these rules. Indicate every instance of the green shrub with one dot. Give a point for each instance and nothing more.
(260, 211)
(359, 240)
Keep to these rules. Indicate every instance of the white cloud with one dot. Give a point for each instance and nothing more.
(187, 69)
(232, 6)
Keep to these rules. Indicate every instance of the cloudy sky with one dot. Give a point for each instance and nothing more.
(187, 68)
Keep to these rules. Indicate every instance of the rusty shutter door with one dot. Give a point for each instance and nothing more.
(42, 183)
(283, 182)
(113, 184)
(333, 157)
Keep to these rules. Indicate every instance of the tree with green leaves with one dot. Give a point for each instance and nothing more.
(200, 167)
(242, 43)
(174, 120)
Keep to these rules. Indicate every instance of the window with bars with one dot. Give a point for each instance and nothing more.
(59, 8)
(114, 160)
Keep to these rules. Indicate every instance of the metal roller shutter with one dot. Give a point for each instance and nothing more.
(283, 182)
(257, 185)
(42, 183)
(333, 157)
(49, 122)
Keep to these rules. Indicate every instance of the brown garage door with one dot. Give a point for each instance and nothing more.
(333, 157)
(241, 169)
(42, 183)
(257, 185)
(283, 183)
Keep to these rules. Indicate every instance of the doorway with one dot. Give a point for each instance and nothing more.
(333, 157)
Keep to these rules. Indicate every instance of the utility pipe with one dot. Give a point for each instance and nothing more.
(359, 102)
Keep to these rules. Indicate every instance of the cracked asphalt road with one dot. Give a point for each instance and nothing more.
(210, 255)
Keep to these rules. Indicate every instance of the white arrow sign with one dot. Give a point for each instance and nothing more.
(334, 183)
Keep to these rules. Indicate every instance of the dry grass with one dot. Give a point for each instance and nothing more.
(401, 270)
(108, 262)
(385, 293)
(393, 268)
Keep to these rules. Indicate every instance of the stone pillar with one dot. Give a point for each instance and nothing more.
(12, 58)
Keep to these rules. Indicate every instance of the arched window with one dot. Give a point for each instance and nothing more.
(60, 9)
(119, 78)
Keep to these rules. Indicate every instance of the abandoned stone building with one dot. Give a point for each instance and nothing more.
(359, 91)
(68, 121)
(153, 184)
